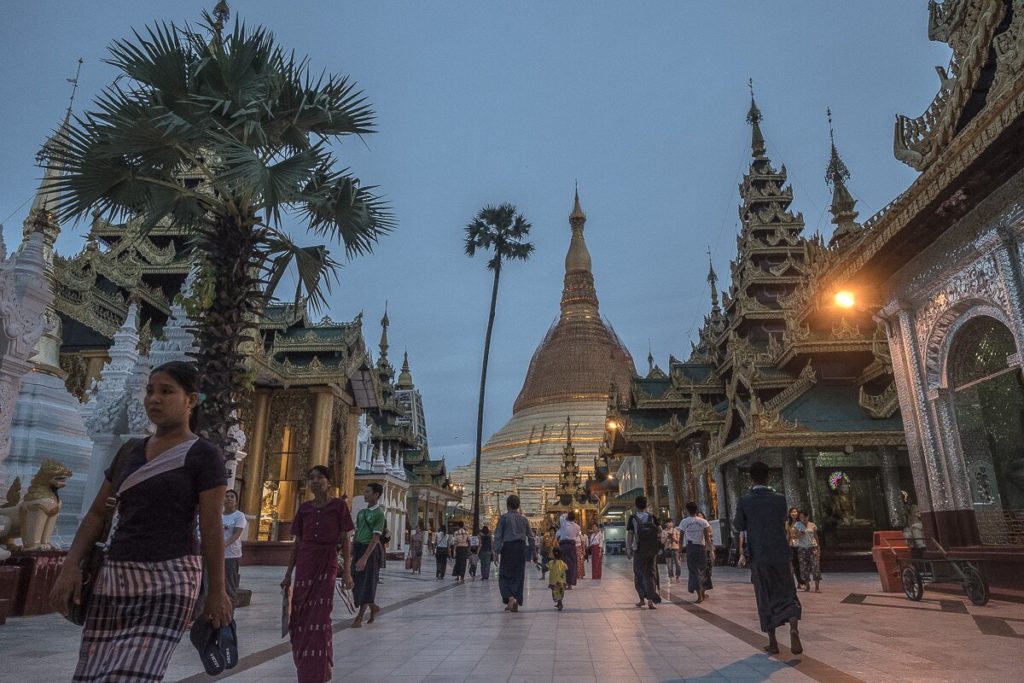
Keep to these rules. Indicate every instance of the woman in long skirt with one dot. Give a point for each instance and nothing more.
(709, 545)
(416, 548)
(319, 527)
(596, 551)
(581, 563)
(146, 591)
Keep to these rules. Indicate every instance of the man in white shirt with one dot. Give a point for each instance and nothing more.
(694, 535)
(568, 534)
(234, 527)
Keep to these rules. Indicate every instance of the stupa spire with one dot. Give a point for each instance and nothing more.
(384, 324)
(713, 282)
(578, 295)
(757, 149)
(405, 376)
(843, 205)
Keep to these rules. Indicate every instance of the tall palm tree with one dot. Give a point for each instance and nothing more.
(224, 134)
(503, 231)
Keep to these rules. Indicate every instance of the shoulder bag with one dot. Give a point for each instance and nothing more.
(92, 561)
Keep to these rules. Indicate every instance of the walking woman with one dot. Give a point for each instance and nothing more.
(794, 542)
(486, 553)
(596, 550)
(320, 527)
(144, 595)
(810, 552)
(694, 539)
(581, 555)
(416, 543)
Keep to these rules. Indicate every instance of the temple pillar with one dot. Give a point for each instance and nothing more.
(658, 473)
(720, 501)
(647, 460)
(811, 475)
(703, 492)
(675, 497)
(891, 486)
(252, 495)
(732, 486)
(414, 509)
(320, 434)
(791, 478)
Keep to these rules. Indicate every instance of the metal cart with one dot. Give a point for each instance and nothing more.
(915, 571)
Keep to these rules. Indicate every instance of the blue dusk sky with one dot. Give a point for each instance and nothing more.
(486, 102)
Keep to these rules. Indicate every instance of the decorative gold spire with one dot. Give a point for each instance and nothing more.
(384, 324)
(754, 117)
(650, 358)
(41, 217)
(843, 205)
(578, 295)
(405, 377)
(712, 282)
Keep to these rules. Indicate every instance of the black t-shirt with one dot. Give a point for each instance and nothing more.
(157, 518)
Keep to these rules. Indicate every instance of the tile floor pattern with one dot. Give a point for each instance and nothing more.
(436, 631)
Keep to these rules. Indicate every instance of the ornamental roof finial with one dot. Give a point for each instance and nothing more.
(384, 324)
(754, 118)
(405, 376)
(843, 204)
(577, 211)
(650, 357)
(578, 257)
(712, 282)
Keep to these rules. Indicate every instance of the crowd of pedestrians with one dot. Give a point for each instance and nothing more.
(172, 561)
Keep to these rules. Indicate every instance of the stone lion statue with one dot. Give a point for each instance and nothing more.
(35, 516)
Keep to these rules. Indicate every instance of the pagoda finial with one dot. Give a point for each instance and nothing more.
(578, 257)
(712, 282)
(754, 118)
(405, 376)
(384, 324)
(843, 204)
(650, 357)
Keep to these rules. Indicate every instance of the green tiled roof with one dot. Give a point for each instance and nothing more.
(824, 408)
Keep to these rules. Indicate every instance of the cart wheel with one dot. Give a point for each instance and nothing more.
(912, 584)
(975, 586)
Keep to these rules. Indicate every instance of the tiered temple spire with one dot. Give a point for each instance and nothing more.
(579, 297)
(843, 211)
(570, 485)
(754, 117)
(405, 376)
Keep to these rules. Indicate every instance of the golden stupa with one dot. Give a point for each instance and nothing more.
(566, 387)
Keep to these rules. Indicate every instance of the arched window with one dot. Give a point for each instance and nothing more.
(988, 398)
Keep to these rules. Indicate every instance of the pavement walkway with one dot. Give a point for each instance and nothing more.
(439, 631)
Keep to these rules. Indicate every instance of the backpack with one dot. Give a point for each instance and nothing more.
(648, 534)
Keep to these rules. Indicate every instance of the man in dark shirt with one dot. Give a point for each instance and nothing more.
(643, 543)
(762, 513)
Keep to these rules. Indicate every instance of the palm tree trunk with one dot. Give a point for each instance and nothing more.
(480, 406)
(230, 251)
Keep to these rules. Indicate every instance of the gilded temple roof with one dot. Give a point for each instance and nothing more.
(581, 356)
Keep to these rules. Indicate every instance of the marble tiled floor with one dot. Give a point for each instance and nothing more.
(439, 631)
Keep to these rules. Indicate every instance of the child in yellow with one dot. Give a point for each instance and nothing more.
(556, 580)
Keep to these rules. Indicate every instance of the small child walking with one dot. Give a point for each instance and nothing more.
(556, 578)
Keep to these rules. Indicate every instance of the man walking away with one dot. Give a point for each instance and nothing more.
(441, 552)
(694, 538)
(460, 542)
(643, 543)
(234, 527)
(568, 538)
(486, 553)
(762, 513)
(474, 555)
(514, 545)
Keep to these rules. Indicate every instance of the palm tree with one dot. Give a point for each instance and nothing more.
(502, 230)
(224, 135)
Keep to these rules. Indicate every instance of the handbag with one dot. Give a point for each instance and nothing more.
(92, 561)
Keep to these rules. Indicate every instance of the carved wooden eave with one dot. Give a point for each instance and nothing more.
(816, 346)
(807, 379)
(880, 406)
(750, 444)
(968, 26)
(924, 210)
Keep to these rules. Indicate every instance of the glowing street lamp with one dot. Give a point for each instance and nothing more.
(845, 299)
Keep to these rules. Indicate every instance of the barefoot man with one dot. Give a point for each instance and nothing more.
(762, 513)
(369, 528)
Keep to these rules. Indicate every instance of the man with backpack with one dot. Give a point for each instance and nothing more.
(643, 543)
